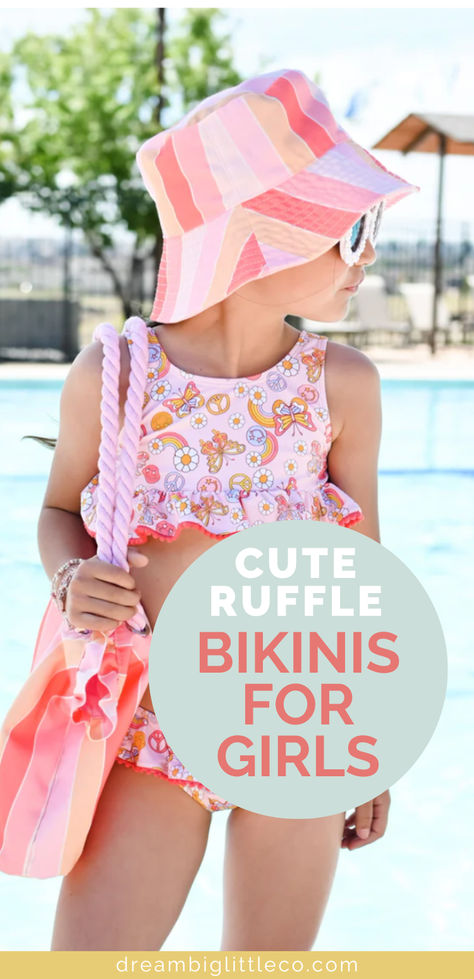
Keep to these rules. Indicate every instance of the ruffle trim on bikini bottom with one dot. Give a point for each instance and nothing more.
(186, 783)
(159, 773)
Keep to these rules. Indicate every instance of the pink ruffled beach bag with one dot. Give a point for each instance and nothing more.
(60, 737)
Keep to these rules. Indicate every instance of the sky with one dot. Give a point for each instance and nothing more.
(375, 66)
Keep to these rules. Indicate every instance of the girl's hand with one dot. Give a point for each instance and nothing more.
(366, 823)
(101, 595)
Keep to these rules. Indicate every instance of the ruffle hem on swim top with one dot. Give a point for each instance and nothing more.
(162, 515)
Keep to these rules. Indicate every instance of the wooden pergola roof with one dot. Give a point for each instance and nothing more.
(420, 132)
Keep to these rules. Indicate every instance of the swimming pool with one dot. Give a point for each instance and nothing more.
(412, 889)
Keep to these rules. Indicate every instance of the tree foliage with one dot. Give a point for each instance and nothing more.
(69, 149)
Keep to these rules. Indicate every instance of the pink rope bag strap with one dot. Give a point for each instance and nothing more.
(117, 472)
(105, 661)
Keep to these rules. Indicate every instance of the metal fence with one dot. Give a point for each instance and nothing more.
(407, 255)
(36, 270)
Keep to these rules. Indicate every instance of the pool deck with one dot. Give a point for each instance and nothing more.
(454, 363)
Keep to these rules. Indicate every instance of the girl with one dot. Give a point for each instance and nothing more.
(267, 208)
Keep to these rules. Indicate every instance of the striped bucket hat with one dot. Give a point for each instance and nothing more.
(255, 178)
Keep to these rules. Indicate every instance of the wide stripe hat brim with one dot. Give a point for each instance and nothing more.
(253, 180)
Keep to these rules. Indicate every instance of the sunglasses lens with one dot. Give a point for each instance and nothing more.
(357, 232)
(378, 218)
(352, 244)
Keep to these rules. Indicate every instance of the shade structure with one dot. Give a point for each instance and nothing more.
(440, 133)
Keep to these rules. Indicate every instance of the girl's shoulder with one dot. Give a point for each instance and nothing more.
(350, 360)
(351, 379)
(85, 373)
(347, 368)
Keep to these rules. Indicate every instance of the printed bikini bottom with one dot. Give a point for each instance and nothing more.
(145, 749)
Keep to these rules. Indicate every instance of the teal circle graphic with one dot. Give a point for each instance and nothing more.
(297, 669)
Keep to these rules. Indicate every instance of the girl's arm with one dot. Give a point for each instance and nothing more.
(353, 394)
(61, 532)
(100, 595)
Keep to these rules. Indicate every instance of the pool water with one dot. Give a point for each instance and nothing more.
(412, 889)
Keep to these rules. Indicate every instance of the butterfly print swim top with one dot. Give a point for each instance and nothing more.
(224, 454)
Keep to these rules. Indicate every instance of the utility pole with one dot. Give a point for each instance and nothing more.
(438, 273)
(69, 339)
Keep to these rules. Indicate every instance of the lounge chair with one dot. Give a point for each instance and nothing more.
(419, 299)
(351, 331)
(466, 318)
(373, 310)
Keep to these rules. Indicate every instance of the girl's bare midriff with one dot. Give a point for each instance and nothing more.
(167, 562)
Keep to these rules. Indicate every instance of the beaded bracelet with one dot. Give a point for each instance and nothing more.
(61, 581)
(59, 586)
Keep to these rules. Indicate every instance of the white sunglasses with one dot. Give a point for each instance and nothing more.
(352, 244)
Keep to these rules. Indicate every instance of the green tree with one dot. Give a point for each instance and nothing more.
(94, 96)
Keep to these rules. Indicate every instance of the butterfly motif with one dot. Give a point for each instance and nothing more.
(192, 398)
(294, 414)
(217, 449)
(313, 363)
(149, 504)
(290, 510)
(208, 508)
